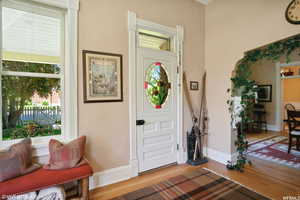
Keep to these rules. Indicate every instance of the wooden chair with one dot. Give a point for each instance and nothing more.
(294, 128)
(289, 106)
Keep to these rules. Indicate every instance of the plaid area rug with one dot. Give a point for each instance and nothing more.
(199, 184)
(275, 150)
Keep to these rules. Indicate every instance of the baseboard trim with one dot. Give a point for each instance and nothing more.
(272, 127)
(122, 173)
(110, 176)
(218, 156)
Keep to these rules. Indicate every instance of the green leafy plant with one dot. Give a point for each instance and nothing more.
(244, 87)
(29, 130)
(32, 129)
(17, 91)
(45, 103)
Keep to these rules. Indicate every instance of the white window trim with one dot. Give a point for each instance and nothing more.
(70, 119)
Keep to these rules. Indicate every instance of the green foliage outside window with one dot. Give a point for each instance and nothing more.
(17, 92)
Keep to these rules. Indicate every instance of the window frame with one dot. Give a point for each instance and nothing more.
(68, 9)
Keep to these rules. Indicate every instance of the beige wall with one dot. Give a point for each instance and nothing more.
(103, 27)
(264, 73)
(231, 28)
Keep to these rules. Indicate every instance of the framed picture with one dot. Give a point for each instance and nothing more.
(264, 93)
(102, 76)
(194, 85)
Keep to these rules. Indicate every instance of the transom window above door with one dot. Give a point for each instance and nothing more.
(155, 40)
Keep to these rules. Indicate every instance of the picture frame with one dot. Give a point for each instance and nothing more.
(102, 77)
(194, 85)
(264, 93)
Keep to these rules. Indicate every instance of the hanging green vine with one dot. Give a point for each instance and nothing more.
(245, 88)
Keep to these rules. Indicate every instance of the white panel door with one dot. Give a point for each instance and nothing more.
(156, 105)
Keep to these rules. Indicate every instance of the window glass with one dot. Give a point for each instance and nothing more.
(30, 107)
(10, 65)
(31, 102)
(157, 85)
(29, 37)
(154, 40)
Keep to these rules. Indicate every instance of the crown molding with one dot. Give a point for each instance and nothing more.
(205, 2)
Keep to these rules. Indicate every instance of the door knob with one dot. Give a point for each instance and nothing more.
(140, 122)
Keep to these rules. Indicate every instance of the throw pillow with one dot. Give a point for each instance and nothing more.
(64, 156)
(17, 160)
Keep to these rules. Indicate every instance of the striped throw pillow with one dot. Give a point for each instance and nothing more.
(64, 156)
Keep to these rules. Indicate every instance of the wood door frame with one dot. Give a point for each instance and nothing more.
(177, 33)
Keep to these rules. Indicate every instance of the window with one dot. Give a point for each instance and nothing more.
(157, 85)
(154, 40)
(35, 95)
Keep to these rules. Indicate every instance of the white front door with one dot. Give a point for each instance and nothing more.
(156, 106)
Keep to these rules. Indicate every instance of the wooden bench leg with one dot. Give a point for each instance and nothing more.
(85, 188)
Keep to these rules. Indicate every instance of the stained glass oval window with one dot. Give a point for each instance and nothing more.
(157, 85)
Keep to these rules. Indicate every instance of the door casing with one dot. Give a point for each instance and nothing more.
(134, 24)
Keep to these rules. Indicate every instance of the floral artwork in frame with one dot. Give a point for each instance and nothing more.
(102, 76)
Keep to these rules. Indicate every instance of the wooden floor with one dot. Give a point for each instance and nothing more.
(252, 137)
(268, 179)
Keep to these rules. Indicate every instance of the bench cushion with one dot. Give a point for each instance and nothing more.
(43, 178)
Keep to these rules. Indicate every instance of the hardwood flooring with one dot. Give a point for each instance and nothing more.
(252, 137)
(266, 178)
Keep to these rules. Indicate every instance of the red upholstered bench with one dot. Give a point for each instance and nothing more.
(43, 178)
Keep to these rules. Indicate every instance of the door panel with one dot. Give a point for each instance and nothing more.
(157, 138)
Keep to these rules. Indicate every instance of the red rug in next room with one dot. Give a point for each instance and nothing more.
(275, 150)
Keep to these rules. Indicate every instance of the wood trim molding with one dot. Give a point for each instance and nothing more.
(110, 176)
(71, 55)
(219, 156)
(132, 91)
(182, 155)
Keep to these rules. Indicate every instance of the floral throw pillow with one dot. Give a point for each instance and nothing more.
(64, 156)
